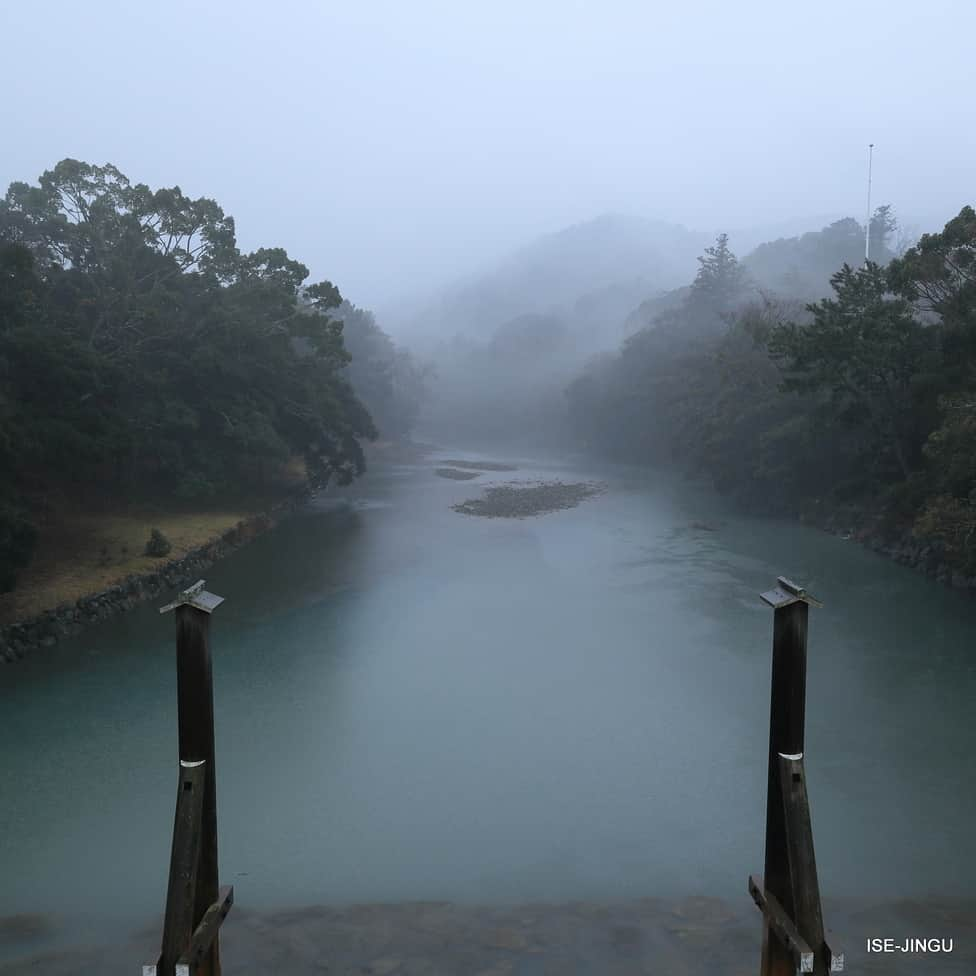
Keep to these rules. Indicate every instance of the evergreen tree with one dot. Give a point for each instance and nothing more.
(721, 280)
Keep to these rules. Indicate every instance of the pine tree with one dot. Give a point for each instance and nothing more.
(721, 279)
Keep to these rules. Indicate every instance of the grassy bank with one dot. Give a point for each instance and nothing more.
(85, 549)
(88, 547)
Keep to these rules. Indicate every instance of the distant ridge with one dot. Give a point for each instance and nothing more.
(612, 258)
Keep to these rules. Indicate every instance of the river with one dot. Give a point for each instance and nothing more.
(416, 704)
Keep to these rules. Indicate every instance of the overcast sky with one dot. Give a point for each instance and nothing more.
(393, 145)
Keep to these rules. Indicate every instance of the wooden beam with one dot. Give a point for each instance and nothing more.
(800, 954)
(184, 864)
(807, 912)
(206, 932)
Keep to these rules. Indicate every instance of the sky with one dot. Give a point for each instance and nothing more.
(393, 146)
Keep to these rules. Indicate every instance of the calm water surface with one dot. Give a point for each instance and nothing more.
(416, 704)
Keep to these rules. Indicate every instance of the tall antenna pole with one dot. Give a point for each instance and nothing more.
(867, 222)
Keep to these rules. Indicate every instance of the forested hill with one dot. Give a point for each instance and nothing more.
(593, 272)
(142, 354)
(861, 402)
(796, 268)
(514, 339)
(507, 342)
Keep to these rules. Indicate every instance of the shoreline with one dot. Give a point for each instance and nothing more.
(870, 527)
(45, 629)
(856, 524)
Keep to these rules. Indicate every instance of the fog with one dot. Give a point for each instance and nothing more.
(396, 147)
(545, 336)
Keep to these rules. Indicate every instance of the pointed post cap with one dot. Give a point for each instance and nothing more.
(786, 592)
(195, 596)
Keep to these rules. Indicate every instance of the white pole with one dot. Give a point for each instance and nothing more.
(867, 223)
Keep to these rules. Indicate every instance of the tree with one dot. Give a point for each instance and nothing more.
(938, 274)
(142, 352)
(883, 226)
(863, 348)
(949, 512)
(19, 286)
(720, 280)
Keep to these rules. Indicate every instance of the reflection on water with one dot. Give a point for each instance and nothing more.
(417, 704)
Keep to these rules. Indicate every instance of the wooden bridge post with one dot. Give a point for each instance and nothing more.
(195, 904)
(789, 895)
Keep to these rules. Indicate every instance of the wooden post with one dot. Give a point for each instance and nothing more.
(194, 680)
(789, 895)
(184, 864)
(786, 721)
(799, 852)
(195, 904)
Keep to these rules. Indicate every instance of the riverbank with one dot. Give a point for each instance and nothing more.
(870, 523)
(552, 651)
(106, 573)
(866, 526)
(637, 937)
(91, 565)
(198, 541)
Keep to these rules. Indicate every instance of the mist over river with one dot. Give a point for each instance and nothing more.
(414, 704)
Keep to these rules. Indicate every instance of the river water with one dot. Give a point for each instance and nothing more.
(417, 704)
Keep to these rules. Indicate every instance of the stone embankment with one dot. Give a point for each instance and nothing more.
(46, 629)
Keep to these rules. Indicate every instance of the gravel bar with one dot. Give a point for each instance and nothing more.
(481, 465)
(525, 499)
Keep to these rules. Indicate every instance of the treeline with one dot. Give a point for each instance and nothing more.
(863, 401)
(506, 388)
(387, 378)
(143, 354)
